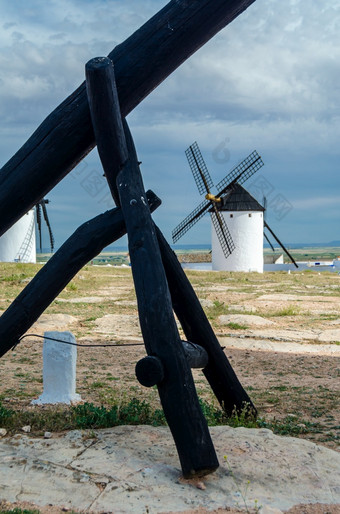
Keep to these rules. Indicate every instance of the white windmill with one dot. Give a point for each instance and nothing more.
(18, 244)
(237, 218)
(244, 217)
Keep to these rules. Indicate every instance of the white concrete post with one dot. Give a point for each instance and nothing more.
(59, 370)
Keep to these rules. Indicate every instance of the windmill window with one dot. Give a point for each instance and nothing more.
(249, 215)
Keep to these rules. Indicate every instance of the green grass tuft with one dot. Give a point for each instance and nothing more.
(290, 310)
(236, 326)
(19, 511)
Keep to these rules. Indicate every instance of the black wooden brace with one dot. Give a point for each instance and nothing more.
(82, 246)
(161, 338)
(142, 62)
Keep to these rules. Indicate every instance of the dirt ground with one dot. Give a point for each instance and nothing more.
(294, 383)
(297, 509)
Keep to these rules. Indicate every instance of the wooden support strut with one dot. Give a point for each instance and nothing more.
(197, 328)
(150, 371)
(82, 246)
(142, 62)
(177, 390)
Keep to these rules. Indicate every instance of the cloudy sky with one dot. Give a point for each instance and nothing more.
(269, 81)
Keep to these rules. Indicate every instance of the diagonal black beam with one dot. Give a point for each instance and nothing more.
(82, 246)
(142, 62)
(281, 244)
(196, 326)
(161, 338)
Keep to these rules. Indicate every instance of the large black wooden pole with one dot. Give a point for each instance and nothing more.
(86, 242)
(162, 341)
(142, 62)
(197, 329)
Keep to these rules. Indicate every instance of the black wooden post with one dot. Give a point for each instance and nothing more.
(177, 390)
(197, 328)
(82, 246)
(142, 62)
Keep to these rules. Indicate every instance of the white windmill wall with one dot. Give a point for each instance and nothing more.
(246, 229)
(18, 243)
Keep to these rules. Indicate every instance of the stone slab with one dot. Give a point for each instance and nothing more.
(85, 299)
(54, 322)
(331, 335)
(136, 469)
(249, 343)
(244, 319)
(121, 325)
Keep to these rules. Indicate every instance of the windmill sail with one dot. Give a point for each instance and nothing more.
(241, 172)
(222, 232)
(41, 207)
(49, 228)
(190, 220)
(38, 210)
(281, 244)
(199, 169)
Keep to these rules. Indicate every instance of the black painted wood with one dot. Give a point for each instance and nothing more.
(149, 371)
(197, 329)
(142, 62)
(82, 246)
(177, 390)
(197, 356)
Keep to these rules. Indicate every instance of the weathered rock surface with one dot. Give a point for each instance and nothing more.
(244, 319)
(121, 325)
(83, 299)
(286, 346)
(242, 308)
(136, 469)
(332, 335)
(53, 322)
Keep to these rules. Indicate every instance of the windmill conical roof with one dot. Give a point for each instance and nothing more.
(238, 199)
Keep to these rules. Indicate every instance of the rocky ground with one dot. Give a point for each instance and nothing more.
(280, 331)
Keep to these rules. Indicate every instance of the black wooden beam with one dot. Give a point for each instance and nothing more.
(142, 62)
(82, 246)
(161, 338)
(281, 244)
(150, 370)
(219, 373)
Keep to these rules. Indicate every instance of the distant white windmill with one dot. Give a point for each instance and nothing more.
(237, 218)
(18, 244)
(244, 217)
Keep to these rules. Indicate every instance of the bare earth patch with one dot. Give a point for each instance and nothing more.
(276, 363)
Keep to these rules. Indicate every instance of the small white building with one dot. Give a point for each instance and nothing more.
(18, 243)
(243, 216)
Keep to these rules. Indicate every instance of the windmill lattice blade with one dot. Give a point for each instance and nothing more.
(38, 210)
(241, 172)
(222, 233)
(43, 205)
(199, 169)
(190, 220)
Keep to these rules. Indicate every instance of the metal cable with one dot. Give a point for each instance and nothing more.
(76, 344)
